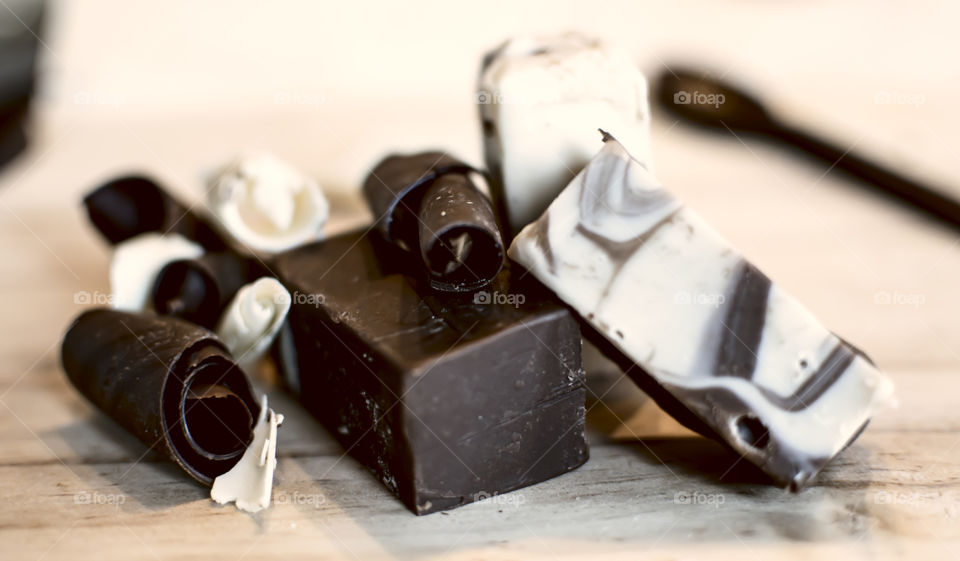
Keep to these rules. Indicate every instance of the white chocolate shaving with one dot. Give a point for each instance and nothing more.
(137, 262)
(267, 205)
(252, 319)
(250, 482)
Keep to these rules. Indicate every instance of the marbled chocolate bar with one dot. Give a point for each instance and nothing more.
(720, 346)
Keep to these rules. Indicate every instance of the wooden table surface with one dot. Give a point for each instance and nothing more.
(75, 486)
(895, 492)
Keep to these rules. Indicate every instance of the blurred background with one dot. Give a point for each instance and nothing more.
(177, 88)
(331, 86)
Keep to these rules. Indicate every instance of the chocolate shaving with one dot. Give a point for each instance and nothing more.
(428, 204)
(168, 382)
(132, 205)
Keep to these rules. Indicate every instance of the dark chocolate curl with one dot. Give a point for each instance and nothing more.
(199, 289)
(170, 383)
(428, 204)
(448, 398)
(132, 205)
(459, 239)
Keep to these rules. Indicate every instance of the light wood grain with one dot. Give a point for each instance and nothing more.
(895, 492)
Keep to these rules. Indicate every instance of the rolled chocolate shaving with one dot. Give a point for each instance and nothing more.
(251, 320)
(131, 205)
(459, 239)
(429, 204)
(168, 382)
(199, 289)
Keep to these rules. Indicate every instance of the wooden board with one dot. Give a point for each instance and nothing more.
(76, 486)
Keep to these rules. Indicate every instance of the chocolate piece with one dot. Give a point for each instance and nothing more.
(249, 483)
(541, 101)
(170, 383)
(199, 289)
(137, 262)
(429, 204)
(267, 205)
(713, 340)
(132, 205)
(252, 320)
(446, 397)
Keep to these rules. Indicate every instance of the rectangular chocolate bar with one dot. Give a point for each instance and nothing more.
(541, 100)
(717, 344)
(447, 397)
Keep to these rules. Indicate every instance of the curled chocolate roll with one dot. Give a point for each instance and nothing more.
(131, 205)
(199, 289)
(429, 204)
(168, 382)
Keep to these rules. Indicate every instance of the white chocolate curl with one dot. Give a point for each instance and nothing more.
(250, 482)
(252, 319)
(266, 205)
(137, 262)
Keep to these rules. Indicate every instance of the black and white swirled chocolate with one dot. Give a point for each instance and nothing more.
(716, 342)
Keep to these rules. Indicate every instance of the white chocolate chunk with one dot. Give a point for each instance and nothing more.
(541, 101)
(252, 319)
(250, 482)
(266, 205)
(670, 293)
(137, 262)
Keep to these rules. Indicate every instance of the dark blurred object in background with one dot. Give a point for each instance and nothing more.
(20, 28)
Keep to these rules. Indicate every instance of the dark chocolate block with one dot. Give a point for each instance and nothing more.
(446, 397)
(430, 205)
(170, 383)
